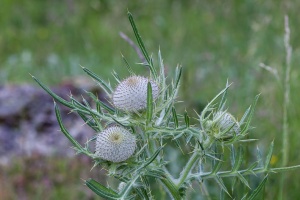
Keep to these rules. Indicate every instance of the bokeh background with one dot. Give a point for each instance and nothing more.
(214, 41)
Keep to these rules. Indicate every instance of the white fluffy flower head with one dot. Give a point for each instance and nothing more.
(115, 144)
(131, 93)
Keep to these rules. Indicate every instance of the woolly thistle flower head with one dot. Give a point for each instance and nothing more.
(115, 144)
(131, 93)
(224, 121)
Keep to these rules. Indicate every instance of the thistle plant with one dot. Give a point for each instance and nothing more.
(135, 129)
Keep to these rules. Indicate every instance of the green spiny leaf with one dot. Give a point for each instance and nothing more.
(243, 180)
(269, 155)
(149, 103)
(251, 112)
(98, 107)
(208, 107)
(178, 74)
(101, 104)
(162, 71)
(232, 155)
(245, 116)
(259, 157)
(233, 184)
(146, 162)
(142, 193)
(89, 122)
(127, 65)
(223, 99)
(105, 86)
(221, 184)
(175, 117)
(101, 190)
(238, 159)
(217, 166)
(125, 192)
(77, 105)
(142, 46)
(259, 188)
(64, 130)
(253, 165)
(86, 103)
(56, 97)
(116, 76)
(187, 119)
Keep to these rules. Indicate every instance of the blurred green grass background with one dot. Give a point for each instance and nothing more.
(214, 41)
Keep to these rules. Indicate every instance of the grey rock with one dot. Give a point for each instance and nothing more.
(28, 123)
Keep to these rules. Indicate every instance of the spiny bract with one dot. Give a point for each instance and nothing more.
(131, 94)
(115, 144)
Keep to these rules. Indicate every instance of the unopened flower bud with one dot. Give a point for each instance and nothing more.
(131, 93)
(115, 144)
(121, 186)
(225, 120)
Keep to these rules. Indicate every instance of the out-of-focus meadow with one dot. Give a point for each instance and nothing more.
(214, 41)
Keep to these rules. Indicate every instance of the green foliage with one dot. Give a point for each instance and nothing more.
(207, 143)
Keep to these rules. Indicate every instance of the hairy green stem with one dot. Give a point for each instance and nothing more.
(224, 174)
(171, 187)
(187, 169)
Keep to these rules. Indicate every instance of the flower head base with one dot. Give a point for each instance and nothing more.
(131, 94)
(115, 144)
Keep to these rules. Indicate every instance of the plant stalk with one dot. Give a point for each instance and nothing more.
(285, 139)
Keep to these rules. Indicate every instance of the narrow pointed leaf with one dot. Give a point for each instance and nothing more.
(142, 46)
(125, 192)
(56, 97)
(162, 71)
(208, 107)
(127, 65)
(243, 180)
(217, 166)
(232, 155)
(259, 188)
(186, 120)
(89, 121)
(245, 196)
(101, 104)
(249, 118)
(64, 130)
(269, 155)
(233, 184)
(238, 159)
(252, 166)
(86, 103)
(142, 193)
(105, 86)
(259, 157)
(221, 184)
(245, 116)
(116, 76)
(175, 117)
(147, 162)
(78, 105)
(101, 190)
(223, 99)
(149, 103)
(98, 107)
(178, 76)
(150, 160)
